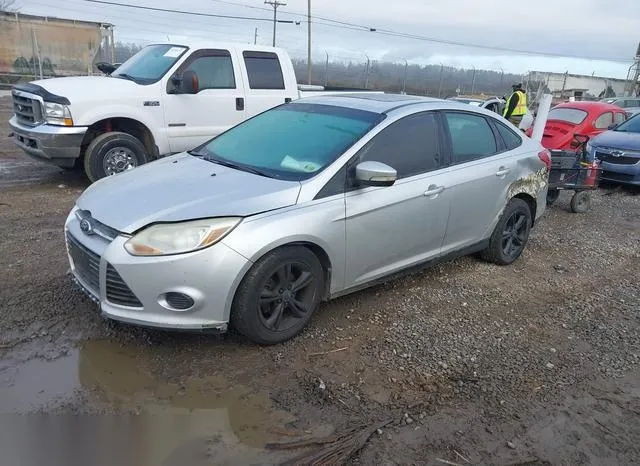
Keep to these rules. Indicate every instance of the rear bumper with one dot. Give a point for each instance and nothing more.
(59, 145)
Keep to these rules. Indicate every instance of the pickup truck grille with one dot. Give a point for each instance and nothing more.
(28, 111)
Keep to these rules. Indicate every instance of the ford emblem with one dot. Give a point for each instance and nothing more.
(86, 226)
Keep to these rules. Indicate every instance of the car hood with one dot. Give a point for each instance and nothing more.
(90, 88)
(618, 140)
(182, 187)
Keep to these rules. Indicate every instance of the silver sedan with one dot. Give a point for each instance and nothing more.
(305, 202)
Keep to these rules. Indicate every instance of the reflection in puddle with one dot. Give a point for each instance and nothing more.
(204, 419)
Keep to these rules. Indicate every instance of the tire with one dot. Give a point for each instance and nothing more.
(265, 290)
(509, 239)
(112, 153)
(552, 196)
(581, 202)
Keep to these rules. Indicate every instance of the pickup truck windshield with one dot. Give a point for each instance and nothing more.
(292, 142)
(149, 64)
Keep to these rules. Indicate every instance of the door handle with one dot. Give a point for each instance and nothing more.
(433, 190)
(239, 103)
(502, 171)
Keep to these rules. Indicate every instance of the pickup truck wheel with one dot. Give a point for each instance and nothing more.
(113, 153)
(510, 234)
(277, 297)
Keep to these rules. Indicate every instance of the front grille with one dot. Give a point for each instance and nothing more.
(117, 290)
(28, 111)
(86, 264)
(620, 160)
(621, 177)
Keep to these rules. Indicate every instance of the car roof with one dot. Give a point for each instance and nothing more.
(383, 103)
(588, 106)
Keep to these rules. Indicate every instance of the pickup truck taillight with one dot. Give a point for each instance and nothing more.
(545, 156)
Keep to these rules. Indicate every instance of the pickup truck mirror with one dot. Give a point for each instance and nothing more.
(187, 83)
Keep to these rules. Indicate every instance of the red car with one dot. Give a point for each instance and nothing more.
(585, 118)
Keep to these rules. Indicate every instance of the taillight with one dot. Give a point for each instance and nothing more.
(545, 156)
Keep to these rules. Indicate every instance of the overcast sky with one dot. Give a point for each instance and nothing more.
(605, 31)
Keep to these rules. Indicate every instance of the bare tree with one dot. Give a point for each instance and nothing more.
(8, 5)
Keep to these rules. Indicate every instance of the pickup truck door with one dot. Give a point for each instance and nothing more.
(269, 80)
(192, 119)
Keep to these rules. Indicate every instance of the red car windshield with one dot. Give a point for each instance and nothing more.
(570, 115)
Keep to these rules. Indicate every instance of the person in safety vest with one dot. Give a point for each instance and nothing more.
(516, 106)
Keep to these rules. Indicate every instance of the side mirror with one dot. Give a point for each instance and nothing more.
(375, 174)
(187, 83)
(613, 126)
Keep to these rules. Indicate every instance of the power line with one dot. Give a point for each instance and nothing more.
(184, 12)
(347, 25)
(388, 32)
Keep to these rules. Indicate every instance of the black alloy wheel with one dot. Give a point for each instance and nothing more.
(515, 234)
(287, 296)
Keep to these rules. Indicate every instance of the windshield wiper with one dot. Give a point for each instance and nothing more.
(236, 166)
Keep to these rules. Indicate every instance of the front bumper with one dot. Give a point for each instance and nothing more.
(625, 174)
(59, 145)
(209, 276)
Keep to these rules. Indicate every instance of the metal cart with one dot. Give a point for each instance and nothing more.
(576, 172)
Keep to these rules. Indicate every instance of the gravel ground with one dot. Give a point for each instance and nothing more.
(536, 363)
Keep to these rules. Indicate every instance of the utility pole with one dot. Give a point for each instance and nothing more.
(440, 85)
(473, 81)
(309, 40)
(326, 70)
(275, 4)
(255, 37)
(366, 73)
(404, 80)
(113, 45)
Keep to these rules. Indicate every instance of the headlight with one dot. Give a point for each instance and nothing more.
(177, 238)
(57, 114)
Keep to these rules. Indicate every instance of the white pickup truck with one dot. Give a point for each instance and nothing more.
(167, 98)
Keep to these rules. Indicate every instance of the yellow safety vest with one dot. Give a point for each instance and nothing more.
(521, 107)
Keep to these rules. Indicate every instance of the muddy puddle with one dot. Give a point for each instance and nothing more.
(145, 419)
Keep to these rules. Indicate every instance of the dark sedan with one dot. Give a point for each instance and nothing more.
(619, 152)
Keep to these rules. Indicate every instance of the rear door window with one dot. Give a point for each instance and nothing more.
(264, 70)
(471, 137)
(510, 138)
(603, 121)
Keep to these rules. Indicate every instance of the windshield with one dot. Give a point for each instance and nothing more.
(632, 125)
(292, 142)
(150, 64)
(570, 115)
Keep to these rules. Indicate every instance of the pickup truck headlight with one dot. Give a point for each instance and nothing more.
(177, 238)
(57, 114)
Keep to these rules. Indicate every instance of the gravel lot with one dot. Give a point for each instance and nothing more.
(537, 363)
